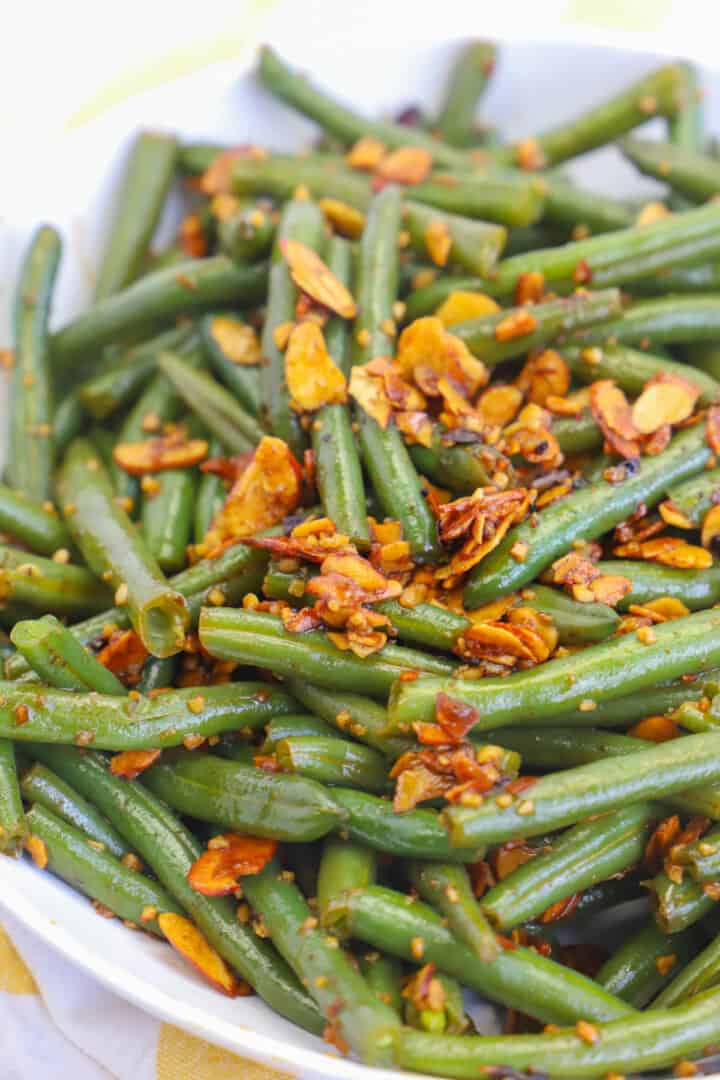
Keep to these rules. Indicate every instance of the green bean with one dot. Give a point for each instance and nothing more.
(705, 356)
(195, 285)
(169, 849)
(291, 726)
(461, 466)
(345, 124)
(333, 761)
(685, 128)
(585, 855)
(258, 639)
(426, 300)
(678, 905)
(639, 969)
(110, 544)
(41, 786)
(565, 747)
(631, 369)
(650, 581)
(157, 674)
(195, 158)
(447, 888)
(511, 199)
(235, 572)
(215, 406)
(209, 498)
(35, 524)
(369, 1027)
(573, 794)
(147, 177)
(99, 874)
(68, 421)
(247, 235)
(546, 322)
(122, 723)
(577, 434)
(415, 834)
(337, 459)
(59, 659)
(301, 221)
(45, 585)
(243, 380)
(630, 1044)
(701, 857)
(670, 320)
(109, 391)
(474, 245)
(246, 799)
(696, 496)
(658, 92)
(13, 827)
(167, 518)
(384, 975)
(387, 461)
(570, 208)
(517, 978)
(30, 452)
(584, 515)
(684, 279)
(343, 866)
(468, 79)
(687, 172)
(448, 1016)
(618, 257)
(700, 974)
(576, 623)
(352, 714)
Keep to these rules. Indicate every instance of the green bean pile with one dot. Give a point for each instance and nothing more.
(357, 579)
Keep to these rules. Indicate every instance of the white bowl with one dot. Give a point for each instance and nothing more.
(536, 84)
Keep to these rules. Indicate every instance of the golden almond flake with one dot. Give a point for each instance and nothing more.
(236, 340)
(343, 218)
(313, 378)
(406, 165)
(438, 241)
(516, 324)
(315, 278)
(369, 392)
(461, 306)
(366, 154)
(666, 399)
(710, 527)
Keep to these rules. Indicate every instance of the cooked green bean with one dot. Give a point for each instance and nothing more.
(337, 458)
(247, 235)
(333, 761)
(169, 849)
(41, 786)
(468, 79)
(584, 515)
(370, 1027)
(569, 796)
(585, 855)
(473, 245)
(47, 585)
(209, 498)
(687, 172)
(447, 888)
(246, 799)
(13, 827)
(195, 285)
(700, 974)
(343, 866)
(680, 904)
(293, 725)
(384, 976)
(670, 320)
(124, 723)
(30, 452)
(352, 714)
(167, 518)
(215, 406)
(701, 857)
(545, 323)
(258, 639)
(630, 1044)
(631, 369)
(59, 659)
(518, 978)
(696, 496)
(143, 189)
(111, 545)
(645, 962)
(99, 874)
(650, 581)
(461, 466)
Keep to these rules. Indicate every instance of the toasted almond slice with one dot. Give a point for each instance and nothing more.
(185, 937)
(313, 277)
(343, 218)
(156, 455)
(236, 339)
(370, 394)
(710, 527)
(216, 871)
(406, 165)
(313, 377)
(130, 763)
(461, 306)
(666, 399)
(438, 241)
(366, 154)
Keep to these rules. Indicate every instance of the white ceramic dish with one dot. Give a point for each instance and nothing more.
(536, 84)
